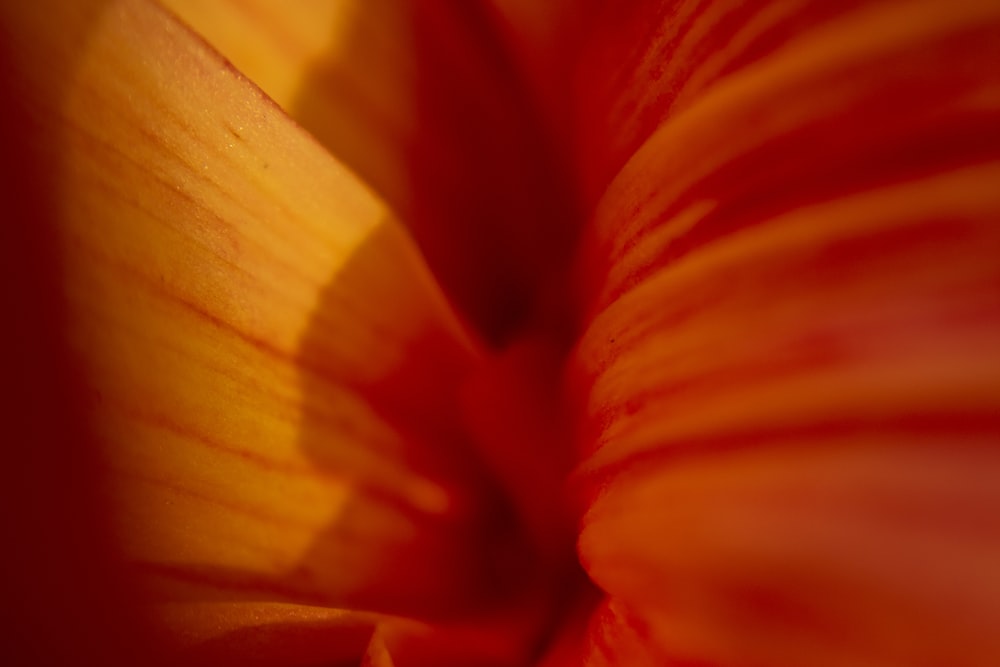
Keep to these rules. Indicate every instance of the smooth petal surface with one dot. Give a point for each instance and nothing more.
(267, 364)
(790, 371)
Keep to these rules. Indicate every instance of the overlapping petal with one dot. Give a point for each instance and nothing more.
(792, 284)
(268, 366)
(411, 95)
(787, 380)
(361, 104)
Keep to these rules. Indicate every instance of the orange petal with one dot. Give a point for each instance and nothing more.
(268, 366)
(427, 101)
(872, 310)
(791, 383)
(363, 107)
(851, 550)
(651, 61)
(617, 637)
(262, 634)
(377, 653)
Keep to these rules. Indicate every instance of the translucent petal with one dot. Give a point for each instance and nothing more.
(448, 114)
(789, 377)
(265, 362)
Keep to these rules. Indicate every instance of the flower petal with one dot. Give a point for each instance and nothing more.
(426, 101)
(618, 637)
(790, 374)
(650, 61)
(852, 551)
(247, 320)
(363, 108)
(262, 634)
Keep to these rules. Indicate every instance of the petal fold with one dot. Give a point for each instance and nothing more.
(849, 551)
(449, 111)
(267, 364)
(789, 377)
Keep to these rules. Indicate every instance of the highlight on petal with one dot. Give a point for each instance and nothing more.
(219, 633)
(430, 103)
(362, 103)
(245, 317)
(543, 40)
(617, 637)
(377, 654)
(789, 377)
(486, 642)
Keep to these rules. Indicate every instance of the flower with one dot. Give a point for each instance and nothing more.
(704, 296)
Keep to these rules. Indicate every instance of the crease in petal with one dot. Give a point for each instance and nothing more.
(361, 106)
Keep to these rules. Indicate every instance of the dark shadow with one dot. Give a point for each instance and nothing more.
(487, 191)
(453, 561)
(487, 195)
(489, 207)
(62, 601)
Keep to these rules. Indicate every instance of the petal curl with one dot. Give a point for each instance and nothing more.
(263, 634)
(362, 107)
(790, 369)
(849, 551)
(448, 113)
(245, 318)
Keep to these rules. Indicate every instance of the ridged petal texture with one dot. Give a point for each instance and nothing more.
(263, 357)
(454, 112)
(792, 286)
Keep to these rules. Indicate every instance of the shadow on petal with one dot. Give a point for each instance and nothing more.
(465, 154)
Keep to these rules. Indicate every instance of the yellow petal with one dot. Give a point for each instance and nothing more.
(341, 68)
(247, 319)
(790, 373)
(428, 103)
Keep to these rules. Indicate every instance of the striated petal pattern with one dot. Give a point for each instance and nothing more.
(789, 372)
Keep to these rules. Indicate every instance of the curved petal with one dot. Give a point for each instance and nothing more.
(429, 103)
(245, 318)
(363, 109)
(618, 637)
(604, 632)
(790, 374)
(852, 551)
(648, 61)
(263, 634)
